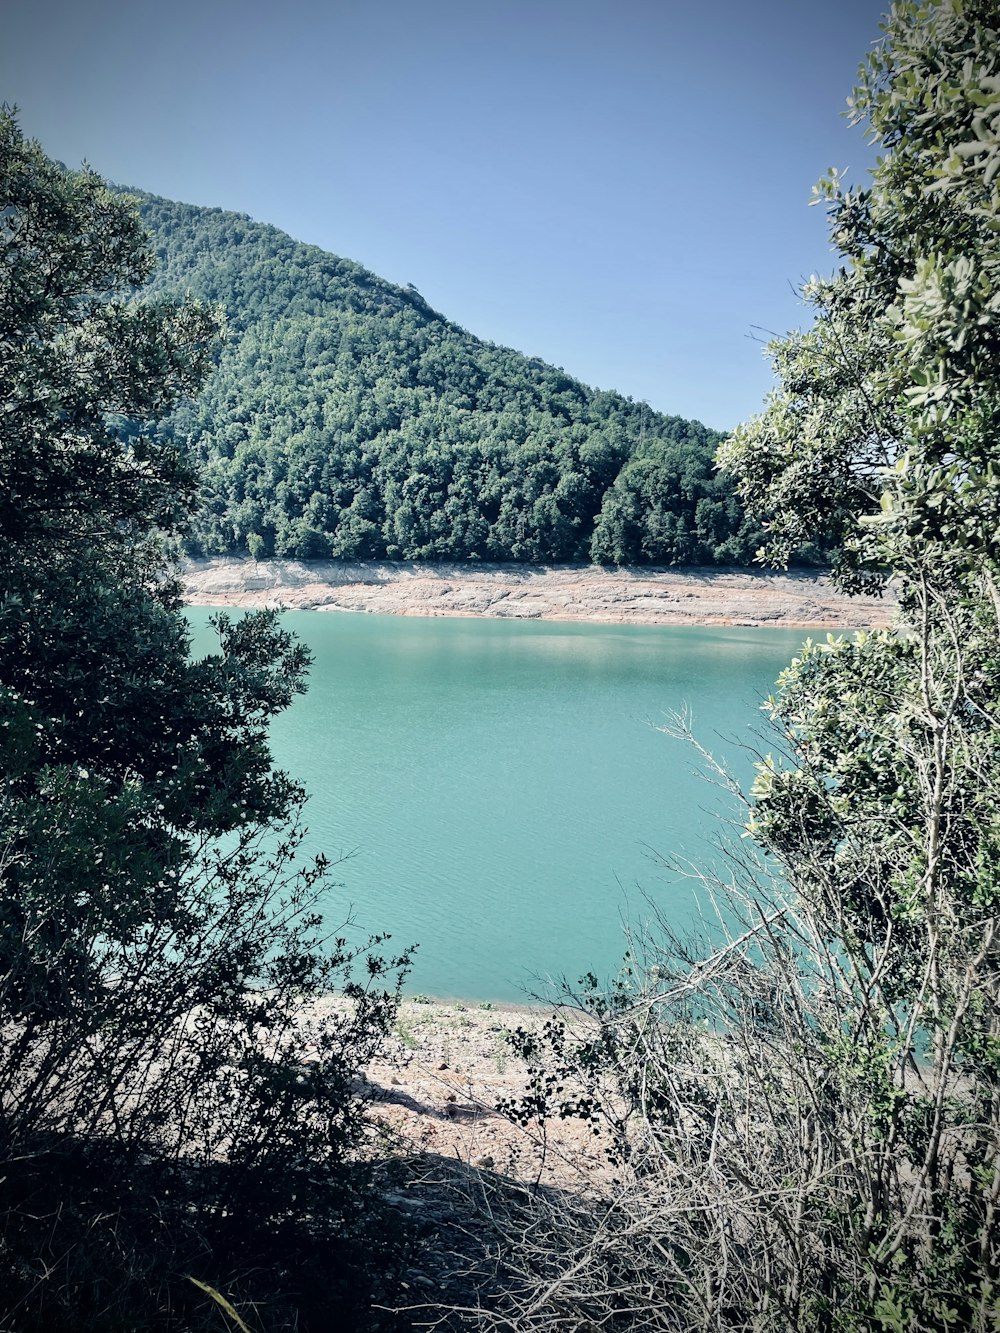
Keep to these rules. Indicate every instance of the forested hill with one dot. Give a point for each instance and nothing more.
(347, 418)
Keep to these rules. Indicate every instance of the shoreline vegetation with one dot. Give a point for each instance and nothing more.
(698, 597)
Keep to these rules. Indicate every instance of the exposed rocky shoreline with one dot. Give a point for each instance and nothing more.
(643, 596)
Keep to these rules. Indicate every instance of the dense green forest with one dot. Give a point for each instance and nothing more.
(348, 419)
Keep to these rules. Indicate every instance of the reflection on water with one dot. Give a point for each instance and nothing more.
(501, 787)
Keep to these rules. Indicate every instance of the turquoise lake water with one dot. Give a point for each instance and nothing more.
(501, 790)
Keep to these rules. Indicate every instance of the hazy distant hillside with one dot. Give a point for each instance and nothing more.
(348, 418)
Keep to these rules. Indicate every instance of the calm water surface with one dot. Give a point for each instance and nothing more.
(501, 789)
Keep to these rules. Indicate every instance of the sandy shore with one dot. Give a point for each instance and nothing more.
(578, 593)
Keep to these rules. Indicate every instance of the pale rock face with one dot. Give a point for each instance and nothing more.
(528, 592)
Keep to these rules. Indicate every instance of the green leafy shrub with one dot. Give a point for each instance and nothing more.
(176, 1090)
(806, 1112)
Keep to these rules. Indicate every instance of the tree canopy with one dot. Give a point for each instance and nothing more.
(158, 937)
(349, 419)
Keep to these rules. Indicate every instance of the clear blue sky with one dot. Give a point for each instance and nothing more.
(618, 186)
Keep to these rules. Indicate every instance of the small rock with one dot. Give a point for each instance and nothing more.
(419, 1279)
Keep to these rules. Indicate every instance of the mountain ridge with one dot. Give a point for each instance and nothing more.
(349, 419)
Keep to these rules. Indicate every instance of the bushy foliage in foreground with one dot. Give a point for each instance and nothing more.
(807, 1116)
(173, 1103)
(348, 419)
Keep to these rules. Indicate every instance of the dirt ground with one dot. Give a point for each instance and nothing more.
(437, 1086)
